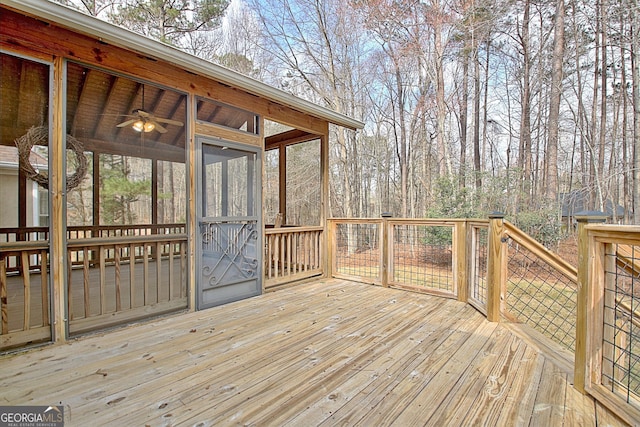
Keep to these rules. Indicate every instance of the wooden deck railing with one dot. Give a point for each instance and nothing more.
(117, 279)
(115, 276)
(355, 246)
(292, 253)
(424, 255)
(541, 288)
(587, 317)
(477, 263)
(610, 364)
(24, 295)
(40, 234)
(13, 234)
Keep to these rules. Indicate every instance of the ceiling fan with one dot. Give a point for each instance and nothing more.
(143, 121)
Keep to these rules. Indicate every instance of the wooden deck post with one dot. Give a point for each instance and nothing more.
(496, 274)
(57, 183)
(580, 364)
(192, 218)
(461, 244)
(282, 179)
(331, 246)
(325, 209)
(385, 242)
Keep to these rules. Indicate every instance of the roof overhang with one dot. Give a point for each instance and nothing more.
(72, 19)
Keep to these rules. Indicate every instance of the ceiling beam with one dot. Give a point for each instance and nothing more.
(148, 150)
(294, 136)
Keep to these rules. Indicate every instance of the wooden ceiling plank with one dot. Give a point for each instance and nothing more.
(157, 99)
(214, 113)
(32, 88)
(180, 135)
(9, 91)
(130, 107)
(81, 96)
(113, 80)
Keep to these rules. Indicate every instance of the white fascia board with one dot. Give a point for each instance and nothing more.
(8, 165)
(121, 37)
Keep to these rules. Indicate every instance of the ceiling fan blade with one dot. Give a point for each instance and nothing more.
(156, 120)
(168, 121)
(127, 123)
(159, 128)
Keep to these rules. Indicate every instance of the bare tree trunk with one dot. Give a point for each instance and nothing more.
(441, 107)
(626, 189)
(172, 191)
(603, 102)
(635, 64)
(524, 155)
(160, 201)
(485, 112)
(345, 159)
(582, 122)
(554, 102)
(591, 140)
(617, 132)
(464, 106)
(402, 150)
(476, 122)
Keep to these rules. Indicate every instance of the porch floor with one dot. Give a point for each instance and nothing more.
(330, 352)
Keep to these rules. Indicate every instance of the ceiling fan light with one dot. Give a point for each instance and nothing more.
(138, 126)
(149, 126)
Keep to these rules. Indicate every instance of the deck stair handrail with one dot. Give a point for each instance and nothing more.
(633, 314)
(551, 258)
(626, 260)
(539, 289)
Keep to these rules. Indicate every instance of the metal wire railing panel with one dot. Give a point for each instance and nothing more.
(540, 296)
(357, 250)
(423, 256)
(621, 322)
(478, 273)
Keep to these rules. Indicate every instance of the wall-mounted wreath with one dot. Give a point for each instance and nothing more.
(39, 135)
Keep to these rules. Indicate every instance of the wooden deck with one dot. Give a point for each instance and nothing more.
(326, 353)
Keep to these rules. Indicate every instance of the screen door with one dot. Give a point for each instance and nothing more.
(230, 259)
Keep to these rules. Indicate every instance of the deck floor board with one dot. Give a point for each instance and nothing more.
(329, 352)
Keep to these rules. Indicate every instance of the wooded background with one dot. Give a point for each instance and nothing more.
(471, 106)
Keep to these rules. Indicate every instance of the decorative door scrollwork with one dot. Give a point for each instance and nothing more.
(229, 252)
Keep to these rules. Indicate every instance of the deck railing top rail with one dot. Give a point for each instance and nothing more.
(123, 240)
(10, 234)
(409, 220)
(293, 229)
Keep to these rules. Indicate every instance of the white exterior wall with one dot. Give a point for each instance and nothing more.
(9, 199)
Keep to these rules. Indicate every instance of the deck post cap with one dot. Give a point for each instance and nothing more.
(590, 216)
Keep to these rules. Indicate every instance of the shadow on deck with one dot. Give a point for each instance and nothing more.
(331, 352)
